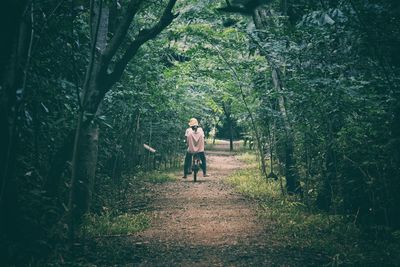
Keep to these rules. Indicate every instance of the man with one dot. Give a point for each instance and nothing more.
(195, 141)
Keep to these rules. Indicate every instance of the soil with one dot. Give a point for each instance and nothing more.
(206, 224)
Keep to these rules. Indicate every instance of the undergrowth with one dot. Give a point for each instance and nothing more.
(158, 177)
(106, 224)
(336, 237)
(123, 220)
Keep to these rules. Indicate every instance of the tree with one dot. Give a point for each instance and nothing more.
(14, 58)
(99, 80)
(263, 21)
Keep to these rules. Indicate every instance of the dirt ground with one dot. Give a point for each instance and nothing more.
(207, 224)
(201, 224)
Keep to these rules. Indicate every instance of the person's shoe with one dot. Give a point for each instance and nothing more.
(206, 175)
(184, 177)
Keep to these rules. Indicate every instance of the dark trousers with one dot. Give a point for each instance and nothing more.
(188, 162)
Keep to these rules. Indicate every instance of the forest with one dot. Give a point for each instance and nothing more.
(300, 100)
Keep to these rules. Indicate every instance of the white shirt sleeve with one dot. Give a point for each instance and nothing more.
(187, 132)
(202, 132)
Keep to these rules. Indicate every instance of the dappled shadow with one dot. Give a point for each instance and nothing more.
(126, 251)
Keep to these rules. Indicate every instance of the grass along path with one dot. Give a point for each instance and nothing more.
(335, 237)
(205, 223)
(208, 224)
(232, 218)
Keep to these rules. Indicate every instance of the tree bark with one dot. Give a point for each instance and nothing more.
(292, 183)
(98, 82)
(261, 18)
(230, 136)
(84, 157)
(14, 49)
(85, 168)
(229, 121)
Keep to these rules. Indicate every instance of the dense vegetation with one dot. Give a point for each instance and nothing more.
(314, 85)
(335, 236)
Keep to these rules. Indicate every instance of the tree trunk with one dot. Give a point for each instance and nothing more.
(230, 135)
(226, 107)
(135, 145)
(261, 18)
(58, 165)
(215, 132)
(84, 159)
(325, 195)
(86, 162)
(271, 139)
(99, 79)
(292, 183)
(329, 186)
(13, 58)
(394, 172)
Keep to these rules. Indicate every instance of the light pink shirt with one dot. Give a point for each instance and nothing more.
(195, 140)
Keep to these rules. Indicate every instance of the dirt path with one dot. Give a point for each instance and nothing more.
(208, 224)
(200, 224)
(202, 213)
(197, 224)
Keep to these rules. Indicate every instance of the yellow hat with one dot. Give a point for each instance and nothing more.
(193, 122)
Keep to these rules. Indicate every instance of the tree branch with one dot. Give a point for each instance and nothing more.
(94, 36)
(121, 32)
(141, 38)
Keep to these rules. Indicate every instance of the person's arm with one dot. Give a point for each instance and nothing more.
(203, 135)
(187, 135)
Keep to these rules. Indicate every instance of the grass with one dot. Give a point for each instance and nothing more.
(249, 158)
(108, 225)
(296, 226)
(158, 177)
(122, 221)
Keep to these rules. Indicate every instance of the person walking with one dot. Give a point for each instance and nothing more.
(195, 142)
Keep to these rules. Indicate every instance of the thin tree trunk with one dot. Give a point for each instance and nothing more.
(116, 173)
(292, 183)
(102, 73)
(215, 133)
(260, 145)
(230, 135)
(326, 195)
(14, 58)
(85, 168)
(260, 18)
(84, 157)
(135, 152)
(271, 137)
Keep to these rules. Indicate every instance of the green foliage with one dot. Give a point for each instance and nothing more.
(107, 224)
(336, 237)
(209, 76)
(340, 69)
(251, 184)
(339, 80)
